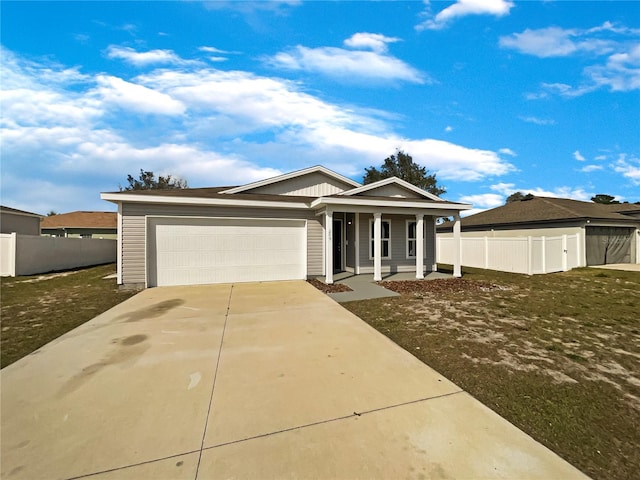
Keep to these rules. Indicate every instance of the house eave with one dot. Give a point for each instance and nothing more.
(231, 201)
(364, 202)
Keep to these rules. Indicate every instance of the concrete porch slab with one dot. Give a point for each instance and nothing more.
(364, 288)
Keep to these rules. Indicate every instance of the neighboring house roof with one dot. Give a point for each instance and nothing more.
(81, 219)
(15, 211)
(624, 208)
(542, 210)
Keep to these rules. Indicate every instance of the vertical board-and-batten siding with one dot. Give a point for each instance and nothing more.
(311, 185)
(134, 228)
(390, 191)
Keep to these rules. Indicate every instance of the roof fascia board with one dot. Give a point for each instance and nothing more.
(22, 214)
(118, 198)
(351, 201)
(387, 181)
(561, 222)
(288, 176)
(387, 211)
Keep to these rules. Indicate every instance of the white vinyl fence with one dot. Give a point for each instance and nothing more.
(31, 254)
(528, 255)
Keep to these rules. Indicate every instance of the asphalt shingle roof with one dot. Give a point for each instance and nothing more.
(543, 209)
(81, 219)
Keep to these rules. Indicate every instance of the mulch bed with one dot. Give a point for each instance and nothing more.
(444, 285)
(333, 288)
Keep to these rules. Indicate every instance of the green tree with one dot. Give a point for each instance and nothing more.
(604, 199)
(148, 181)
(52, 213)
(519, 197)
(401, 165)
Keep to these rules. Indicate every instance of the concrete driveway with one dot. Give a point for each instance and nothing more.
(271, 380)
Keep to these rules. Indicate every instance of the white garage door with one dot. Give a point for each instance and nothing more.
(192, 251)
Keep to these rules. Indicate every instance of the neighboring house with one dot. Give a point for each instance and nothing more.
(607, 233)
(18, 221)
(312, 222)
(81, 224)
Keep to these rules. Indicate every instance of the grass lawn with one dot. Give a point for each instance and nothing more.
(40, 308)
(558, 355)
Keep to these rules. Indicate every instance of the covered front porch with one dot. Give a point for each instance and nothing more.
(382, 241)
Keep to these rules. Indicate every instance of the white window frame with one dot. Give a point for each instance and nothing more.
(382, 239)
(413, 239)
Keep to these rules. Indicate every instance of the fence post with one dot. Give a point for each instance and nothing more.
(13, 253)
(544, 254)
(529, 255)
(486, 253)
(564, 253)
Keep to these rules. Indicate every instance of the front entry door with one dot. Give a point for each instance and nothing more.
(337, 246)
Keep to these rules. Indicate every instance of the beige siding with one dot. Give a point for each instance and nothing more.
(133, 232)
(22, 224)
(311, 185)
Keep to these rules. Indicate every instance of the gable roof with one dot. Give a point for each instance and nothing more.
(15, 211)
(542, 209)
(291, 175)
(389, 181)
(81, 219)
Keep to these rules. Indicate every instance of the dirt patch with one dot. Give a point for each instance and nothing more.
(442, 285)
(48, 276)
(325, 288)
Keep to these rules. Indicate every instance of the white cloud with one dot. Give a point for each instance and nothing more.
(208, 49)
(620, 71)
(629, 167)
(347, 65)
(462, 8)
(556, 42)
(139, 98)
(372, 41)
(145, 59)
(504, 188)
(538, 121)
(483, 200)
(578, 193)
(578, 156)
(591, 168)
(83, 134)
(508, 151)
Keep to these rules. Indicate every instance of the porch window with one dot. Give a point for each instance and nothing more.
(385, 238)
(411, 239)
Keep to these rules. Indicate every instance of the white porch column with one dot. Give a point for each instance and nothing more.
(457, 246)
(328, 246)
(357, 244)
(419, 246)
(377, 246)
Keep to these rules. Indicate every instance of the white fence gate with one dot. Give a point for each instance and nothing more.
(528, 255)
(31, 254)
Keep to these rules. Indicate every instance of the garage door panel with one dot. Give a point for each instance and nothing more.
(186, 251)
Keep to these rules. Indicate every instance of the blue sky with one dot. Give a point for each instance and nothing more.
(493, 96)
